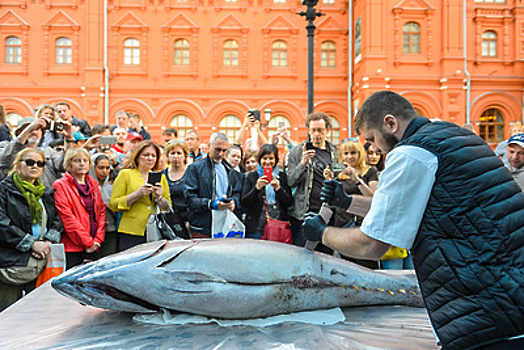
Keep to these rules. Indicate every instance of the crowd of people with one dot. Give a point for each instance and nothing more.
(89, 187)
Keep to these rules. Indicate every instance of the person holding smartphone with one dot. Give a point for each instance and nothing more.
(136, 191)
(305, 171)
(267, 184)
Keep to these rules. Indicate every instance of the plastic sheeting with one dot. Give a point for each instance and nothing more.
(46, 320)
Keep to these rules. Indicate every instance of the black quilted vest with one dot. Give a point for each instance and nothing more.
(469, 250)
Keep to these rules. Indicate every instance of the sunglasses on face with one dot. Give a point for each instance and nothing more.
(31, 162)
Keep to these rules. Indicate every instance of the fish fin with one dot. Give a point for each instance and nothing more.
(187, 281)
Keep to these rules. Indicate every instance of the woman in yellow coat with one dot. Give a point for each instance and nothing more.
(135, 197)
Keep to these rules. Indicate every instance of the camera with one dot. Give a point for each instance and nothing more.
(53, 125)
(337, 168)
(255, 113)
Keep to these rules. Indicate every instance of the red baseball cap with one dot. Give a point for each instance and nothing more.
(133, 135)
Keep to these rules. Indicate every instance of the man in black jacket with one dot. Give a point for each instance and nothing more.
(64, 111)
(445, 196)
(211, 184)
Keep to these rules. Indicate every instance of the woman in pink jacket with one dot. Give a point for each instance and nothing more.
(81, 208)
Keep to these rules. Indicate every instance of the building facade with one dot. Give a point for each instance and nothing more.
(202, 64)
(417, 48)
(188, 64)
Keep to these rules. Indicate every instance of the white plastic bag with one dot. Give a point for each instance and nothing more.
(225, 224)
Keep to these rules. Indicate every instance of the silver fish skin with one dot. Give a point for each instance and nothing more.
(231, 279)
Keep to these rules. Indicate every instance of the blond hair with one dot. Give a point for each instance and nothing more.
(20, 155)
(73, 153)
(349, 146)
(171, 145)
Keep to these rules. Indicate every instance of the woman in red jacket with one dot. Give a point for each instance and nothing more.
(81, 208)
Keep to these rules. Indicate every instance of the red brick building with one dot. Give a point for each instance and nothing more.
(201, 64)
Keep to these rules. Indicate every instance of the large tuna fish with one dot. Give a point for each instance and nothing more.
(231, 278)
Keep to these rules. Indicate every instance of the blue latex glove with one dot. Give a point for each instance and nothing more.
(314, 227)
(214, 205)
(334, 195)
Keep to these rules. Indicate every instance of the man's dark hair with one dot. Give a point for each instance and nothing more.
(319, 116)
(97, 129)
(380, 104)
(170, 131)
(63, 103)
(232, 147)
(268, 149)
(134, 116)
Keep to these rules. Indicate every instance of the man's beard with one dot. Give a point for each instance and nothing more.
(32, 141)
(390, 140)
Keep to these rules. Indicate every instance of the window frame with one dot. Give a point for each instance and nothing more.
(489, 44)
(13, 54)
(281, 53)
(63, 51)
(328, 55)
(132, 50)
(411, 35)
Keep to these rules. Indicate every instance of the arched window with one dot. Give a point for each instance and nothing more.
(491, 126)
(279, 54)
(230, 125)
(328, 55)
(489, 44)
(182, 124)
(334, 133)
(131, 52)
(181, 52)
(231, 53)
(64, 51)
(13, 50)
(411, 31)
(276, 122)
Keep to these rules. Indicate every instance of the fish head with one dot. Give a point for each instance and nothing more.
(98, 283)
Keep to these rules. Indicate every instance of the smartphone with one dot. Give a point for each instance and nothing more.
(107, 140)
(309, 145)
(154, 177)
(227, 200)
(267, 173)
(337, 168)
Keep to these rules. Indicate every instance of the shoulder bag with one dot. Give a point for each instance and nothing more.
(20, 275)
(276, 230)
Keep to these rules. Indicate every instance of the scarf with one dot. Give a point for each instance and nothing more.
(33, 193)
(270, 191)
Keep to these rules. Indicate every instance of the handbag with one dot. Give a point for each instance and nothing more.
(157, 226)
(276, 230)
(20, 275)
(176, 222)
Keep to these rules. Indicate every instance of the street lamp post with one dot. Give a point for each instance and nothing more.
(310, 14)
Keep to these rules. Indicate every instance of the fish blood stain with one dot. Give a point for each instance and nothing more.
(306, 281)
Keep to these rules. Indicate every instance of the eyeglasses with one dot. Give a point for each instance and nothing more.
(59, 149)
(352, 139)
(31, 162)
